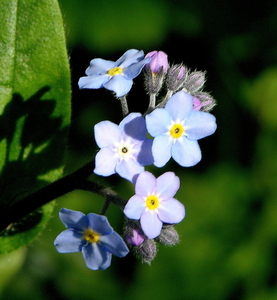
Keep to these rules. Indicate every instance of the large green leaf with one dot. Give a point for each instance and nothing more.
(34, 108)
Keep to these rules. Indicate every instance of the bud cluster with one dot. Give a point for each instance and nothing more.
(176, 77)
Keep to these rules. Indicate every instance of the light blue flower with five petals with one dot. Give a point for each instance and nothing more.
(93, 235)
(114, 76)
(125, 150)
(176, 129)
(153, 204)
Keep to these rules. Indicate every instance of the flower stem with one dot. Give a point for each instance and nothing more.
(105, 206)
(152, 103)
(124, 106)
(167, 96)
(74, 181)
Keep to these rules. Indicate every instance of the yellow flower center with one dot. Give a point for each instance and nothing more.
(177, 130)
(91, 236)
(115, 71)
(152, 202)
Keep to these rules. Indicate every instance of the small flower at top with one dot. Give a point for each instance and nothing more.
(124, 148)
(154, 204)
(114, 76)
(93, 235)
(176, 129)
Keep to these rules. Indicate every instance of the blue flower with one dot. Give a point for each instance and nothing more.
(91, 234)
(124, 147)
(176, 129)
(114, 76)
(154, 204)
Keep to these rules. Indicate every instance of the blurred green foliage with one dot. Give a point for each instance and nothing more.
(228, 248)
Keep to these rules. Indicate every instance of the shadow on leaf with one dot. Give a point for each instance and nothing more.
(32, 144)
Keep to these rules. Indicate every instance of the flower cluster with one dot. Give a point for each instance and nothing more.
(171, 127)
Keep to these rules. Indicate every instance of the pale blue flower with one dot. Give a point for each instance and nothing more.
(154, 204)
(176, 129)
(114, 76)
(124, 147)
(92, 235)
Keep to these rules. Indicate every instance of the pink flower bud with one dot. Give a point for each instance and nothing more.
(158, 61)
(181, 72)
(136, 239)
(197, 104)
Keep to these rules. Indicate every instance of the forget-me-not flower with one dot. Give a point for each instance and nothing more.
(114, 76)
(91, 234)
(124, 148)
(154, 204)
(176, 129)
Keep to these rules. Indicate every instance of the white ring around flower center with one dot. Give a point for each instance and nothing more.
(177, 129)
(125, 149)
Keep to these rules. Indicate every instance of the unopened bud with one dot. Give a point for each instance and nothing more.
(135, 238)
(195, 82)
(158, 61)
(146, 251)
(168, 236)
(155, 71)
(176, 77)
(203, 101)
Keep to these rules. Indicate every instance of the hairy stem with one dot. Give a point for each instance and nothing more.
(152, 103)
(74, 181)
(124, 106)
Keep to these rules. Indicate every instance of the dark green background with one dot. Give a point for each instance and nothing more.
(228, 248)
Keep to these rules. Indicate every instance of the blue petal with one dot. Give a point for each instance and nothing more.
(134, 126)
(99, 66)
(179, 106)
(145, 184)
(129, 57)
(186, 153)
(134, 207)
(73, 219)
(114, 243)
(105, 162)
(128, 169)
(96, 257)
(107, 134)
(167, 185)
(69, 241)
(99, 223)
(158, 121)
(135, 69)
(161, 150)
(119, 84)
(145, 156)
(171, 211)
(151, 224)
(199, 124)
(93, 82)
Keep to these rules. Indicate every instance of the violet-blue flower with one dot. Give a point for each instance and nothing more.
(114, 76)
(154, 204)
(93, 235)
(176, 129)
(124, 148)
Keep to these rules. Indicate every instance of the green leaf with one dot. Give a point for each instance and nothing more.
(34, 108)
